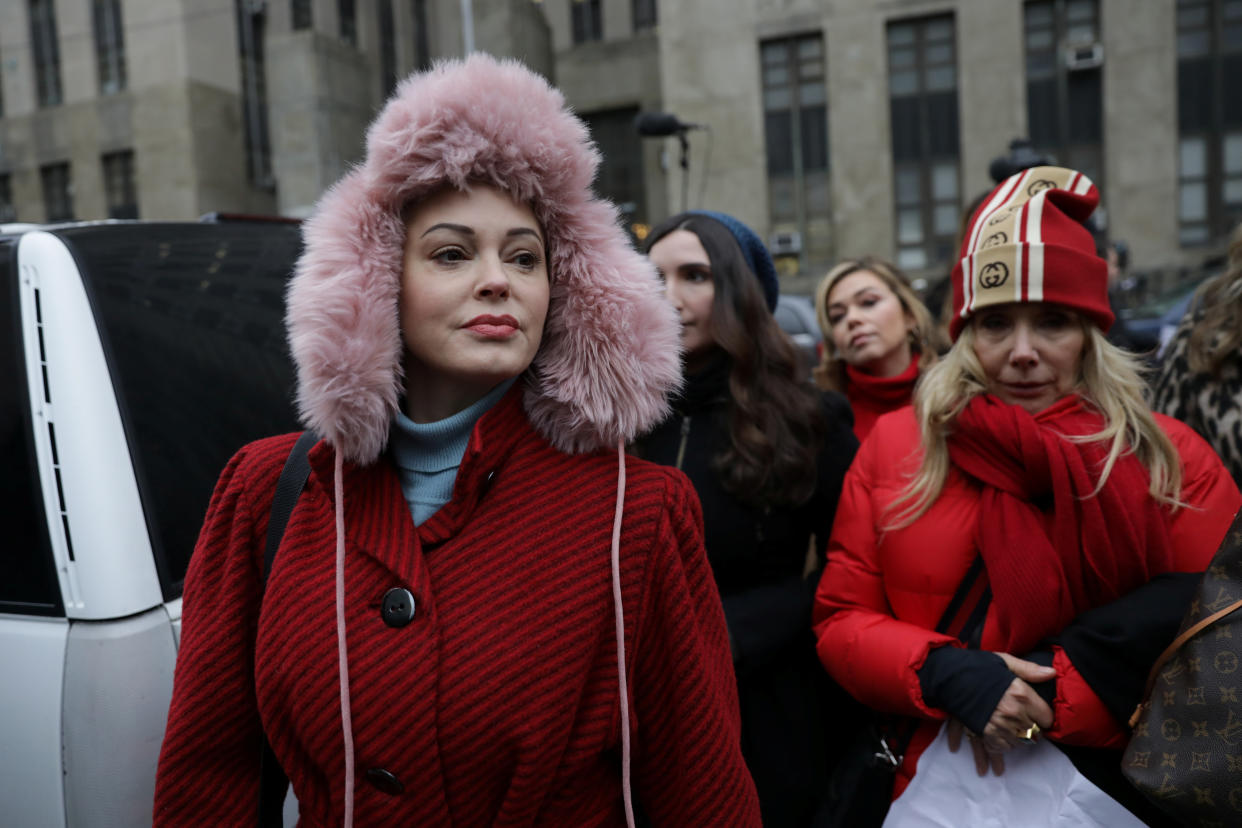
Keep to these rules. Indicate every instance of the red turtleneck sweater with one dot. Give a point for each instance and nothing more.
(871, 396)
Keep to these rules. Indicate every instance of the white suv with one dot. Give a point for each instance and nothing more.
(135, 358)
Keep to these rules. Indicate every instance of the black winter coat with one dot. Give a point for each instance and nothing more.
(758, 557)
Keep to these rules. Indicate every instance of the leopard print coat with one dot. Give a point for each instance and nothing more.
(1211, 406)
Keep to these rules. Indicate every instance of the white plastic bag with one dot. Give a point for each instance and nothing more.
(1040, 787)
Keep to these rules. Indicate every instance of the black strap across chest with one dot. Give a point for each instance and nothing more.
(273, 782)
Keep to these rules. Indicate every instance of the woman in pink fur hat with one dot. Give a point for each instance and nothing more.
(481, 612)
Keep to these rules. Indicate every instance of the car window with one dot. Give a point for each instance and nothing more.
(191, 320)
(27, 573)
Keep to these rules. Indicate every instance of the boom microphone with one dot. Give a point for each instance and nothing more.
(660, 124)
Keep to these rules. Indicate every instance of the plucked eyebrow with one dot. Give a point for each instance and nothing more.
(469, 231)
(857, 293)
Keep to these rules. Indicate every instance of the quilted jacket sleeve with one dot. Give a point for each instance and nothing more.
(688, 762)
(1197, 529)
(209, 763)
(867, 651)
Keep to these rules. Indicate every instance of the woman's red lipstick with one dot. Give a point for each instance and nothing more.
(493, 327)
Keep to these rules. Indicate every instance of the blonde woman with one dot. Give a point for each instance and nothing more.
(877, 338)
(1058, 505)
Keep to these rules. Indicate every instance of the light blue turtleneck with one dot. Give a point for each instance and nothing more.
(428, 454)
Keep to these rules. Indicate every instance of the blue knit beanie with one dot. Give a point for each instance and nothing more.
(753, 248)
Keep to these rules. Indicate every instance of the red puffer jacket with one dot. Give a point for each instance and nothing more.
(883, 593)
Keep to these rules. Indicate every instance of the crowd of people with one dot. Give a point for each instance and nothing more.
(579, 545)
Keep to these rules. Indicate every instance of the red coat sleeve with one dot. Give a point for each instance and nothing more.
(870, 653)
(209, 762)
(688, 764)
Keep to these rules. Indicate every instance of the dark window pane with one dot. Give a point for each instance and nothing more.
(588, 23)
(1195, 91)
(46, 49)
(644, 14)
(119, 189)
(1042, 112)
(251, 22)
(191, 319)
(778, 131)
(942, 125)
(347, 14)
(422, 48)
(1231, 103)
(57, 194)
(300, 12)
(388, 47)
(620, 176)
(907, 129)
(814, 138)
(8, 211)
(27, 573)
(1085, 106)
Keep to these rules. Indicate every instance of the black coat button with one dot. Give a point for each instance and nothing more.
(383, 780)
(398, 607)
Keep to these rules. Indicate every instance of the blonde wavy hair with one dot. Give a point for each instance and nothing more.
(829, 374)
(1110, 380)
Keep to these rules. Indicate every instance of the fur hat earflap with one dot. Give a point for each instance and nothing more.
(609, 355)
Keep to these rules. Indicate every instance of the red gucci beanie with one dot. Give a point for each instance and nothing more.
(1027, 243)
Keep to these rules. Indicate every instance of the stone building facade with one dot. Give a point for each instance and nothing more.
(834, 127)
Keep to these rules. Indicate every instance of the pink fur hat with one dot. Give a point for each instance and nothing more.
(609, 354)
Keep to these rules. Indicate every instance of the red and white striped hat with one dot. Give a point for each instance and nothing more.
(1027, 243)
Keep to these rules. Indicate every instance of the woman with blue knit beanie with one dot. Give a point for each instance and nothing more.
(766, 453)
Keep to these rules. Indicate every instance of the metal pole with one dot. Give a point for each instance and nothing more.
(467, 26)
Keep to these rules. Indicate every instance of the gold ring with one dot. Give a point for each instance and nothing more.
(1028, 736)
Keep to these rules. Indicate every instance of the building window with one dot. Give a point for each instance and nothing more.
(922, 88)
(300, 14)
(46, 50)
(1064, 101)
(8, 211)
(644, 14)
(795, 131)
(388, 48)
(122, 195)
(57, 192)
(588, 20)
(109, 46)
(422, 48)
(348, 13)
(250, 26)
(620, 176)
(1209, 118)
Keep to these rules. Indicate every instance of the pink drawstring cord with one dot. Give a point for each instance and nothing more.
(619, 615)
(347, 726)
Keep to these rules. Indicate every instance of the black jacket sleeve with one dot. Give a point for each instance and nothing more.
(1114, 646)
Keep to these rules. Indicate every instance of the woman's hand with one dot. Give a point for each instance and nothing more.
(1017, 710)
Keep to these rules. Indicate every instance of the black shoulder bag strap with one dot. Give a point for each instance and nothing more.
(273, 783)
(968, 630)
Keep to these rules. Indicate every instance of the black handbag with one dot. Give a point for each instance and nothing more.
(860, 786)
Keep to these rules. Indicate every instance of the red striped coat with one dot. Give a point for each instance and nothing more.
(497, 704)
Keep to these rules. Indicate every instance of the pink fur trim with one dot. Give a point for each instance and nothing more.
(610, 350)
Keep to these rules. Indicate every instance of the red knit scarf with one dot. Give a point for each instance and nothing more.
(1051, 549)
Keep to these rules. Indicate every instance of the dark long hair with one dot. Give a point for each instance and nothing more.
(776, 425)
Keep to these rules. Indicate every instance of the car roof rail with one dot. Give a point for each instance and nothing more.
(217, 217)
